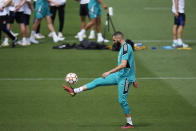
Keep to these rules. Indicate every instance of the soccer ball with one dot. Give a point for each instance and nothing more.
(71, 78)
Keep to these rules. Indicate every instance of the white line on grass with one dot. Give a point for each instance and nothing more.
(86, 78)
(149, 41)
(157, 8)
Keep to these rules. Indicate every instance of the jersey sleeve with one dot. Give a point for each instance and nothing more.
(125, 53)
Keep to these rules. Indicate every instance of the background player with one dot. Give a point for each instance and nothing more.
(3, 20)
(123, 76)
(42, 10)
(83, 14)
(58, 5)
(179, 22)
(95, 16)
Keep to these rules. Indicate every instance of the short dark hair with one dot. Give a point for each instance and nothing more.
(118, 33)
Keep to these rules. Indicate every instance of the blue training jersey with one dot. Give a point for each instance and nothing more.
(94, 2)
(41, 2)
(126, 53)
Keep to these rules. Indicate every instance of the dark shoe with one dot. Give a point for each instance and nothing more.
(14, 42)
(127, 126)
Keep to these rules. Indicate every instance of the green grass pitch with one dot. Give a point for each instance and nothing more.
(31, 78)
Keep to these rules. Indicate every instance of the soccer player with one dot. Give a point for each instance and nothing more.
(123, 75)
(27, 15)
(83, 14)
(3, 20)
(58, 5)
(179, 22)
(17, 13)
(95, 16)
(38, 35)
(41, 11)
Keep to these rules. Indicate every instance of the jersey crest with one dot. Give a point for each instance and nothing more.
(125, 49)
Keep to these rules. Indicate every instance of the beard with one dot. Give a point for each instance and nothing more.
(118, 45)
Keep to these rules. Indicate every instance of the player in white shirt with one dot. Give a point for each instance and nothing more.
(3, 17)
(58, 5)
(27, 15)
(179, 23)
(17, 8)
(83, 14)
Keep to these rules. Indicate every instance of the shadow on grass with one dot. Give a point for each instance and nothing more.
(111, 125)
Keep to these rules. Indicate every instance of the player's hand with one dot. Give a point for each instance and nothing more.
(104, 75)
(1, 9)
(17, 7)
(135, 84)
(57, 5)
(176, 14)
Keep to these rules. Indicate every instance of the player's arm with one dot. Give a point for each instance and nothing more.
(176, 7)
(7, 3)
(121, 66)
(103, 5)
(135, 84)
(30, 5)
(20, 5)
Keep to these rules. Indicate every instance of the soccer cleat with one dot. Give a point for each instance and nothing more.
(69, 90)
(174, 44)
(185, 45)
(61, 38)
(32, 40)
(5, 43)
(92, 35)
(106, 41)
(127, 126)
(100, 39)
(14, 42)
(80, 36)
(50, 34)
(39, 36)
(60, 35)
(76, 36)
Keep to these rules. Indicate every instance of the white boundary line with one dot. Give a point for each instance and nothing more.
(148, 41)
(59, 79)
(157, 8)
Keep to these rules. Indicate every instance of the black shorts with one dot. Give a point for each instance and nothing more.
(3, 18)
(18, 16)
(26, 19)
(11, 17)
(83, 9)
(180, 20)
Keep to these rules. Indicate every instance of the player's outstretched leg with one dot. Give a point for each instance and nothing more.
(109, 80)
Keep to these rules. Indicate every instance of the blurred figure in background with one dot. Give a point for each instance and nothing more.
(95, 18)
(58, 5)
(42, 11)
(38, 35)
(16, 13)
(3, 20)
(84, 12)
(27, 15)
(179, 23)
